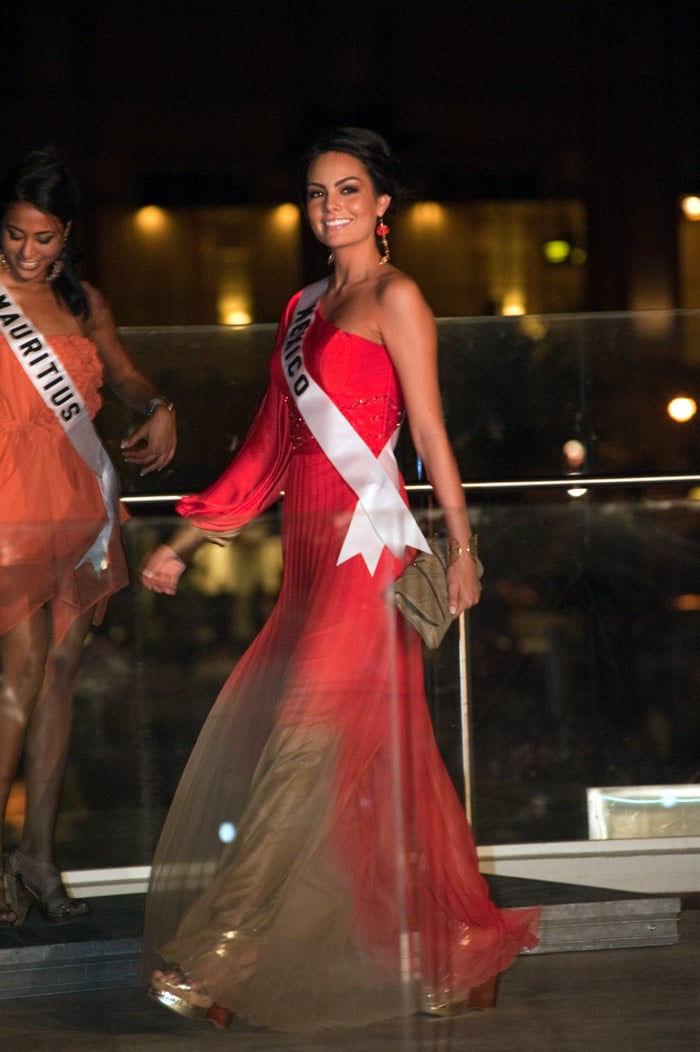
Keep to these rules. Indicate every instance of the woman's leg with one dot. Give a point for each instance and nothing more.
(47, 740)
(23, 654)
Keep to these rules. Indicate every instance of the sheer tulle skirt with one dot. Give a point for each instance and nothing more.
(351, 889)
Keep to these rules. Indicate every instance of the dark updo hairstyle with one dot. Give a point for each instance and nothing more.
(373, 153)
(40, 179)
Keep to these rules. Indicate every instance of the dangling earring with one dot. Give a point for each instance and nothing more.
(3, 262)
(58, 264)
(56, 268)
(331, 259)
(382, 233)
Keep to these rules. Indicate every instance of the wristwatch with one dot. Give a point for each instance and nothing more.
(151, 406)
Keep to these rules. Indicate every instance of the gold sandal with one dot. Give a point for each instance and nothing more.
(180, 994)
(447, 1004)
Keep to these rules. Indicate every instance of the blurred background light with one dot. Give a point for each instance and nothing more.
(227, 832)
(691, 207)
(575, 452)
(152, 220)
(556, 251)
(513, 303)
(286, 217)
(682, 408)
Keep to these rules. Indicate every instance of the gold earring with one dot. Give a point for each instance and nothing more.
(382, 233)
(56, 268)
(58, 264)
(3, 262)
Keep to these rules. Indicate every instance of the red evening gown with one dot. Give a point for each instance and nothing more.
(51, 507)
(351, 890)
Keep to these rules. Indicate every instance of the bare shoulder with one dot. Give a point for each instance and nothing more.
(100, 316)
(402, 309)
(98, 304)
(397, 293)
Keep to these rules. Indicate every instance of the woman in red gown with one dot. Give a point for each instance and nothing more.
(56, 575)
(350, 892)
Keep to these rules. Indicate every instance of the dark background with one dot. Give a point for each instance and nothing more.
(206, 102)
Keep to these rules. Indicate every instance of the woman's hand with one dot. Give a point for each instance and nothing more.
(152, 446)
(161, 570)
(463, 587)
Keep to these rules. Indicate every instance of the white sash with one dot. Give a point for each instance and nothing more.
(381, 517)
(58, 391)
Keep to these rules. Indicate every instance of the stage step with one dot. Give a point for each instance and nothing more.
(103, 952)
(609, 925)
(62, 968)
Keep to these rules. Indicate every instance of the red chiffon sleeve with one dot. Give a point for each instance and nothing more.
(255, 478)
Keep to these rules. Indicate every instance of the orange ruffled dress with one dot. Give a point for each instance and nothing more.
(51, 507)
(350, 892)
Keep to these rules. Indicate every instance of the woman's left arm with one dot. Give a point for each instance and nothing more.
(409, 333)
(152, 445)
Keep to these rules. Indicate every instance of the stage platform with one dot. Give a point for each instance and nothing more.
(635, 999)
(102, 953)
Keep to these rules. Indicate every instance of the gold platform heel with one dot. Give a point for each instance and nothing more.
(446, 1004)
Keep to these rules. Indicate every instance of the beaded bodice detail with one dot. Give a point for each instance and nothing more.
(359, 377)
(374, 418)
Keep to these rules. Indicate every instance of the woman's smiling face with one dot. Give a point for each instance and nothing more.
(31, 241)
(341, 202)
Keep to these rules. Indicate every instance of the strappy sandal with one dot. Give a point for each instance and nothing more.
(176, 991)
(15, 903)
(8, 917)
(46, 890)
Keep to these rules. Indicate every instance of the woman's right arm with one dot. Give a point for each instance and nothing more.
(252, 482)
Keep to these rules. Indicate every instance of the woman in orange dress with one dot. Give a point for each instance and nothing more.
(60, 553)
(316, 868)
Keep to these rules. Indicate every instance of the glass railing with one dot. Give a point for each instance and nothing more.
(577, 672)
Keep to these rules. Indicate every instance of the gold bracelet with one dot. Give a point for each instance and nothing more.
(454, 549)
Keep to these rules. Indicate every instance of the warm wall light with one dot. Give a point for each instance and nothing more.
(285, 217)
(691, 207)
(682, 409)
(513, 303)
(234, 310)
(428, 214)
(689, 602)
(151, 219)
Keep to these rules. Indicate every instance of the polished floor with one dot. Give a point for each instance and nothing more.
(629, 1000)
